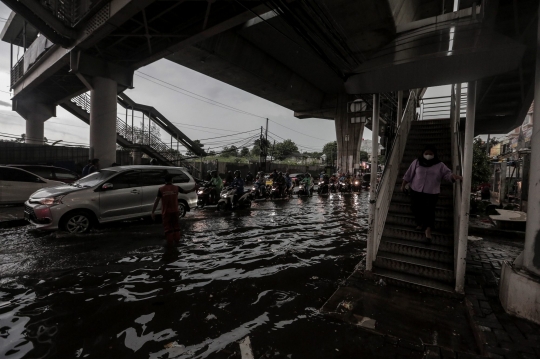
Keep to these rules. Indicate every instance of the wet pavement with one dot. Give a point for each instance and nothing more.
(116, 292)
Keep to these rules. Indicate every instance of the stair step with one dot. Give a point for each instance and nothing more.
(412, 281)
(421, 267)
(445, 190)
(417, 249)
(443, 224)
(409, 233)
(444, 200)
(405, 208)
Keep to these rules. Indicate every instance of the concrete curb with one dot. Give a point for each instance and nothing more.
(495, 232)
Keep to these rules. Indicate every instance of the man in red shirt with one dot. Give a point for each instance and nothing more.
(168, 195)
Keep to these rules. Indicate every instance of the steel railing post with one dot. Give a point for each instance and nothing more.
(466, 187)
(372, 234)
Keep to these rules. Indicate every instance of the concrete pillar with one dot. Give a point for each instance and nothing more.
(35, 127)
(520, 282)
(372, 221)
(466, 187)
(399, 107)
(103, 121)
(349, 137)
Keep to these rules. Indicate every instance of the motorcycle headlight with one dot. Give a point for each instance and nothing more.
(253, 188)
(224, 195)
(200, 192)
(356, 182)
(49, 201)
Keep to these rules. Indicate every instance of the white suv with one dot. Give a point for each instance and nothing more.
(111, 194)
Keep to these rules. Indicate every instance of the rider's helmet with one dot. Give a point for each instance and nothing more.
(213, 173)
(237, 173)
(153, 162)
(308, 175)
(280, 173)
(286, 174)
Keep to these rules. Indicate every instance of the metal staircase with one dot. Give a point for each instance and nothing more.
(131, 137)
(403, 257)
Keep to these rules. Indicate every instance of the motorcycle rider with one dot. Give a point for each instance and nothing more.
(249, 177)
(217, 185)
(321, 176)
(288, 183)
(306, 181)
(229, 178)
(279, 180)
(237, 183)
(260, 182)
(348, 182)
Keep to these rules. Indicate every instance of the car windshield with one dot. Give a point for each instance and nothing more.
(94, 179)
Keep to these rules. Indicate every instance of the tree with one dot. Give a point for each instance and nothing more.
(381, 159)
(330, 150)
(481, 171)
(244, 152)
(364, 156)
(256, 150)
(285, 149)
(230, 151)
(197, 143)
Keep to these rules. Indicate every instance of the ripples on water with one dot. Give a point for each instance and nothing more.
(263, 273)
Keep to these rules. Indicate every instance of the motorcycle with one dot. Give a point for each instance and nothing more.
(203, 196)
(333, 187)
(258, 192)
(356, 185)
(366, 181)
(276, 192)
(227, 196)
(303, 191)
(323, 188)
(344, 187)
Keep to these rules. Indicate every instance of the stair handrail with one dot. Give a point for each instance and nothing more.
(455, 112)
(387, 184)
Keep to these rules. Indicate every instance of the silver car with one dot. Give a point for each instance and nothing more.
(111, 194)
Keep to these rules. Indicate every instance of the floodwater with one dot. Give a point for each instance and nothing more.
(117, 293)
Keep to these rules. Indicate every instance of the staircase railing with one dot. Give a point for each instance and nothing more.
(138, 137)
(455, 116)
(387, 184)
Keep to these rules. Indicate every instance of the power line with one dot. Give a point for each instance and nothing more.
(322, 139)
(234, 134)
(213, 102)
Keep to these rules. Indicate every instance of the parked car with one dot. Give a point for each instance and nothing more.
(16, 184)
(51, 172)
(111, 194)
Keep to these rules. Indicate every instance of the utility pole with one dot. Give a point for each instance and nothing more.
(265, 146)
(487, 143)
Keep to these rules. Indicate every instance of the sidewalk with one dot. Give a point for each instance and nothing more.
(503, 335)
(420, 325)
(11, 216)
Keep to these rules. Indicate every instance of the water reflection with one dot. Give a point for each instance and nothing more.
(119, 293)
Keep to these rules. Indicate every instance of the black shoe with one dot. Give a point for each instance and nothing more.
(428, 240)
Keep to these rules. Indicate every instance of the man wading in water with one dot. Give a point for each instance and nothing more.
(168, 194)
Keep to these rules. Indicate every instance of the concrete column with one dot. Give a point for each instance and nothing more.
(372, 221)
(466, 187)
(531, 251)
(103, 121)
(399, 107)
(35, 127)
(349, 137)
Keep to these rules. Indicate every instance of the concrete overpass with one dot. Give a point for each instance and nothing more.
(310, 57)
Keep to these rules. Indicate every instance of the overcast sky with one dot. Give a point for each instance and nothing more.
(189, 114)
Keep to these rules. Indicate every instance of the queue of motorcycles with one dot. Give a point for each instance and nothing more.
(224, 200)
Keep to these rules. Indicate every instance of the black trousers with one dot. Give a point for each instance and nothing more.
(423, 207)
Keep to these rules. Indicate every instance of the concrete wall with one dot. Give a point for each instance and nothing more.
(72, 158)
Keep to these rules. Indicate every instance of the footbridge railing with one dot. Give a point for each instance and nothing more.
(387, 184)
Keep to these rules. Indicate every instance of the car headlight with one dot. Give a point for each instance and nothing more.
(49, 201)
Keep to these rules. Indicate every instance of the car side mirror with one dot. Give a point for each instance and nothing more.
(107, 186)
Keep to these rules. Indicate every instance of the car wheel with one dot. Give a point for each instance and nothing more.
(77, 222)
(181, 210)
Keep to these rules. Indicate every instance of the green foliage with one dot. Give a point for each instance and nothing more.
(244, 152)
(481, 171)
(382, 159)
(284, 149)
(330, 150)
(364, 156)
(256, 150)
(230, 151)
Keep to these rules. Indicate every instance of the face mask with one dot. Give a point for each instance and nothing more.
(429, 157)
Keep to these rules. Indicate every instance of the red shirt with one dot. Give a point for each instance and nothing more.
(169, 198)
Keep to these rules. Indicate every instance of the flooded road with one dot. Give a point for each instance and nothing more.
(117, 293)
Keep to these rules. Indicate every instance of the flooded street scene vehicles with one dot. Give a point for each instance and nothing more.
(279, 179)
